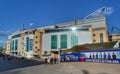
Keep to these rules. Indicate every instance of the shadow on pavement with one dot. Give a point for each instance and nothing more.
(6, 65)
(85, 72)
(102, 73)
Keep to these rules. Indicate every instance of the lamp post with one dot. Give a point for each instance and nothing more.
(59, 54)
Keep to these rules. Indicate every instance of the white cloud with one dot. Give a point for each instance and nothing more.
(3, 33)
(31, 24)
(109, 10)
(1, 43)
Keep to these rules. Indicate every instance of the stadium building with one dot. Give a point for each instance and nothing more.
(49, 40)
(65, 35)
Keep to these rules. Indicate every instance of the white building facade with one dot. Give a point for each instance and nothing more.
(15, 44)
(65, 38)
(26, 47)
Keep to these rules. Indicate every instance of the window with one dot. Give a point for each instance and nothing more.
(36, 37)
(16, 44)
(36, 42)
(27, 44)
(26, 32)
(10, 45)
(101, 37)
(45, 52)
(54, 42)
(63, 41)
(35, 47)
(35, 51)
(74, 40)
(30, 32)
(94, 34)
(13, 45)
(33, 32)
(61, 30)
(38, 49)
(94, 40)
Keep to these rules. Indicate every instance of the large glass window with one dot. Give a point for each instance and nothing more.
(10, 45)
(54, 42)
(63, 41)
(74, 40)
(45, 52)
(13, 45)
(64, 29)
(94, 40)
(16, 44)
(27, 44)
(94, 34)
(101, 37)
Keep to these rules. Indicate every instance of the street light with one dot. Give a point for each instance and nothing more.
(73, 29)
(59, 54)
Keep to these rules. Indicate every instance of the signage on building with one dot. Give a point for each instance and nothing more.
(31, 44)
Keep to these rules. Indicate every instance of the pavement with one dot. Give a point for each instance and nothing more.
(68, 68)
(16, 63)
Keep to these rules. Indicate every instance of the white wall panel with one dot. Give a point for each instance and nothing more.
(83, 38)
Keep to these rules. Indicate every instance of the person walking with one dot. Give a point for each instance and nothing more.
(51, 60)
(55, 60)
(46, 60)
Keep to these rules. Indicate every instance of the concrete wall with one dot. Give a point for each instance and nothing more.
(97, 36)
(38, 43)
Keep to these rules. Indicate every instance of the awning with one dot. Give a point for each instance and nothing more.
(46, 55)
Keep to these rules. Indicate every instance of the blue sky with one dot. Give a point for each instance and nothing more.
(13, 13)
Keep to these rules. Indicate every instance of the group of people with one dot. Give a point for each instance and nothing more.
(51, 60)
(5, 57)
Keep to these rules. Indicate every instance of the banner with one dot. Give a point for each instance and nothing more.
(31, 44)
(112, 56)
(104, 56)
